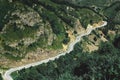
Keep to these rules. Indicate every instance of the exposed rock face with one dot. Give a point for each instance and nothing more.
(78, 27)
(24, 16)
(29, 18)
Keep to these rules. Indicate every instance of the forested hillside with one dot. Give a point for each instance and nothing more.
(31, 28)
(100, 64)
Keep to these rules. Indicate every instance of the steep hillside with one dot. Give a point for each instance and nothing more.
(32, 30)
(96, 57)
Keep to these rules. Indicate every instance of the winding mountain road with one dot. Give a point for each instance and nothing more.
(7, 75)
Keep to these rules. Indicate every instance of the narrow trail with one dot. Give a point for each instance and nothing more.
(7, 75)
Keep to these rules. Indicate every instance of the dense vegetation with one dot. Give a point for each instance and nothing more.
(55, 16)
(100, 65)
(1, 77)
(4, 8)
(103, 64)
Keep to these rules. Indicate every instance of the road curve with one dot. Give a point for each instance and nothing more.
(7, 75)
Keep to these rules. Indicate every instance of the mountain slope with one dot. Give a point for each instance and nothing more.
(30, 28)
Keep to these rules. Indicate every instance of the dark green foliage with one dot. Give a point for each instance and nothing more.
(59, 17)
(111, 11)
(28, 2)
(112, 14)
(17, 34)
(1, 77)
(117, 17)
(81, 70)
(67, 76)
(88, 17)
(12, 53)
(103, 64)
(78, 66)
(5, 6)
(106, 48)
(12, 56)
(57, 27)
(66, 40)
(116, 42)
